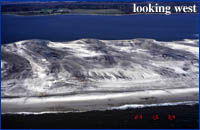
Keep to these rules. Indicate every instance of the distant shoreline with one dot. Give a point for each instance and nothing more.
(71, 7)
(103, 14)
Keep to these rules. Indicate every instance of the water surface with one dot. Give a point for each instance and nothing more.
(73, 27)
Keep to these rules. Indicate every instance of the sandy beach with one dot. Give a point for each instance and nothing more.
(97, 101)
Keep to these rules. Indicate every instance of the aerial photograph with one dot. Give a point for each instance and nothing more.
(109, 64)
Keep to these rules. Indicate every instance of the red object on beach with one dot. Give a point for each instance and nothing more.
(155, 117)
(138, 117)
(171, 117)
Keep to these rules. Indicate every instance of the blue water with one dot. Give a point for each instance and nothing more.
(73, 27)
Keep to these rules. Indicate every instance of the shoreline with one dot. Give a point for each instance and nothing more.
(120, 108)
(105, 14)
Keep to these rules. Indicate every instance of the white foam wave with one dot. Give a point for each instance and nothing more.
(133, 106)
(40, 113)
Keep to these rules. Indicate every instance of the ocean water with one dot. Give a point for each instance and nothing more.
(74, 27)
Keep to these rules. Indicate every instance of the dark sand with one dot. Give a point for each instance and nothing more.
(185, 117)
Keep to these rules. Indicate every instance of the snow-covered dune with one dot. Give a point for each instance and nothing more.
(39, 68)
